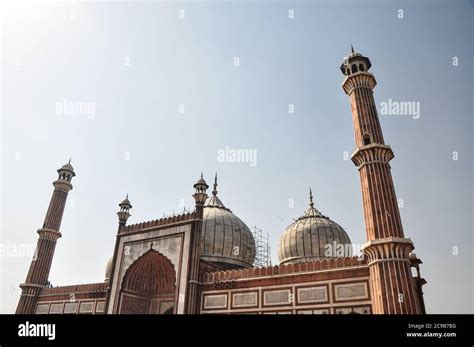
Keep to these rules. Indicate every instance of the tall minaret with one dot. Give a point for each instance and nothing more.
(200, 196)
(123, 216)
(392, 286)
(38, 274)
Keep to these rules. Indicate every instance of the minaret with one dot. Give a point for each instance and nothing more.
(123, 215)
(392, 285)
(124, 212)
(38, 274)
(200, 197)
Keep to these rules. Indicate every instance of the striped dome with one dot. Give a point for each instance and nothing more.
(307, 239)
(225, 239)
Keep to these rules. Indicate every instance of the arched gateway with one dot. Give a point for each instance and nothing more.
(149, 285)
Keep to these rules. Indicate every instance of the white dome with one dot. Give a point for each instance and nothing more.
(307, 238)
(225, 239)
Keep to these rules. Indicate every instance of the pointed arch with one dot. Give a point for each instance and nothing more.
(148, 283)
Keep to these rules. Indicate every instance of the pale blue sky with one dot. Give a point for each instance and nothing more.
(78, 52)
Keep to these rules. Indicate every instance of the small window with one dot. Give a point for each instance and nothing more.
(366, 139)
(354, 68)
(361, 67)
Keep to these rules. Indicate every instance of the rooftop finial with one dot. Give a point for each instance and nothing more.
(352, 48)
(214, 192)
(201, 182)
(311, 211)
(69, 162)
(125, 202)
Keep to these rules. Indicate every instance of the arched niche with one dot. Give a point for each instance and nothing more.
(149, 285)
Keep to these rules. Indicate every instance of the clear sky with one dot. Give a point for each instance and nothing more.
(134, 64)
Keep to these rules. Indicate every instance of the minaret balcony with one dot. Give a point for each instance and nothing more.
(49, 234)
(358, 80)
(373, 153)
(389, 248)
(62, 185)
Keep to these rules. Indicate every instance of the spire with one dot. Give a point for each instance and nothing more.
(214, 192)
(352, 49)
(69, 162)
(214, 201)
(311, 211)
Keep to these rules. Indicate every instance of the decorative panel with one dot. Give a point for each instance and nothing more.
(70, 307)
(351, 291)
(212, 302)
(249, 299)
(42, 309)
(100, 307)
(312, 295)
(86, 307)
(56, 308)
(277, 297)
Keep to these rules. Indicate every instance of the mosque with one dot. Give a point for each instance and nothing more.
(201, 262)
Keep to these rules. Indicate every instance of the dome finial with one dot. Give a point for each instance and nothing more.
(69, 162)
(214, 192)
(311, 211)
(352, 48)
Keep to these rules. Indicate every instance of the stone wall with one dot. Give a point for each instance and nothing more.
(335, 286)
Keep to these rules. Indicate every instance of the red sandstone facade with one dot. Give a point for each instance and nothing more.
(157, 266)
